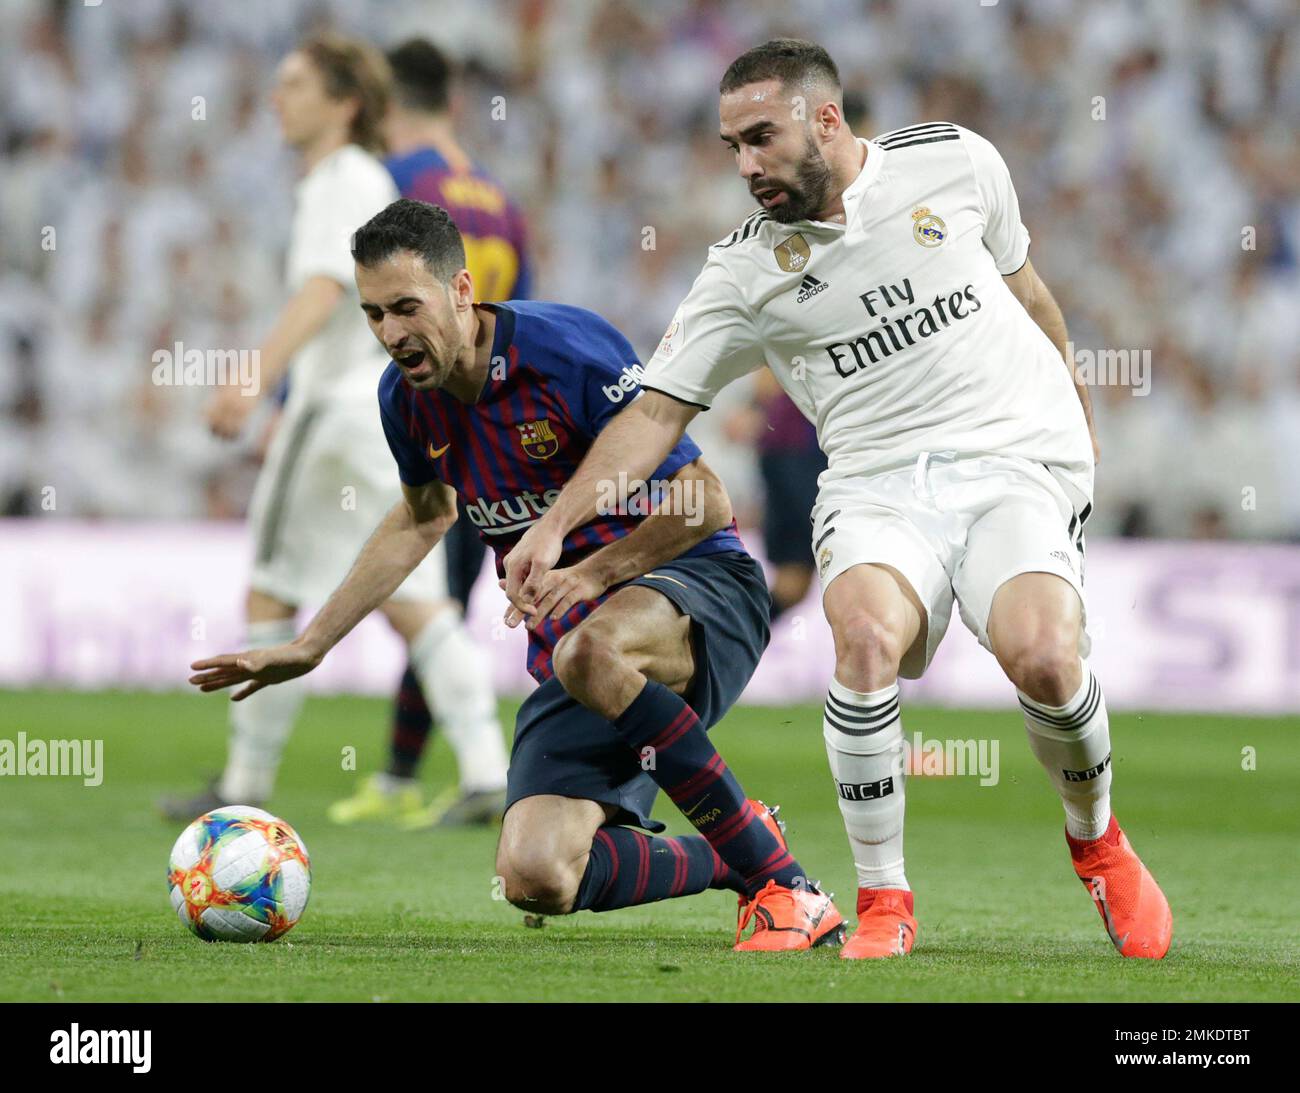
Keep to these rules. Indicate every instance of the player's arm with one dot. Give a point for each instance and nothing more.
(1036, 298)
(695, 505)
(411, 529)
(635, 442)
(301, 319)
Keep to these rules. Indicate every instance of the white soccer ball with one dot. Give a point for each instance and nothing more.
(239, 874)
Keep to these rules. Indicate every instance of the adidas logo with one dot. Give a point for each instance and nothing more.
(809, 287)
(1063, 558)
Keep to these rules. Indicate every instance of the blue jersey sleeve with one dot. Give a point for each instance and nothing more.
(611, 380)
(412, 467)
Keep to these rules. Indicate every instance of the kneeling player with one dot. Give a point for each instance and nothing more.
(664, 615)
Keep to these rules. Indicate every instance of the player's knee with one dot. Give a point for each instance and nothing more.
(539, 882)
(584, 656)
(868, 647)
(1045, 667)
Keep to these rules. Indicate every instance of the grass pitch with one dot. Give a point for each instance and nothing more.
(395, 916)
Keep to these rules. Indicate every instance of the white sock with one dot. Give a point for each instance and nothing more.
(260, 725)
(864, 744)
(453, 673)
(1073, 744)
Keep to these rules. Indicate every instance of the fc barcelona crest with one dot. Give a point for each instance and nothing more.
(538, 439)
(792, 254)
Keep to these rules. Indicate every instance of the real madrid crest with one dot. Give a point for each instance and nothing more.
(792, 253)
(538, 438)
(927, 228)
(824, 561)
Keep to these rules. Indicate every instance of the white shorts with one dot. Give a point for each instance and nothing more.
(328, 480)
(954, 528)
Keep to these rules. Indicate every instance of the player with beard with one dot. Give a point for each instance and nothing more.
(887, 285)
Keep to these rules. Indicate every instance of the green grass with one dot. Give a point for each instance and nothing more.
(393, 916)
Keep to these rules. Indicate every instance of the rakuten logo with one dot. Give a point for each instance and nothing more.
(629, 379)
(509, 514)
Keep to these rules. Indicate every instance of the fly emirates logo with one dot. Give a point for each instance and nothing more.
(897, 332)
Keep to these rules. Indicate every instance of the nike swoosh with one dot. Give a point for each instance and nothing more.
(662, 577)
(696, 809)
(1116, 940)
(435, 453)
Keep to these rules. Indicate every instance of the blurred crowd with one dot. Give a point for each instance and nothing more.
(145, 199)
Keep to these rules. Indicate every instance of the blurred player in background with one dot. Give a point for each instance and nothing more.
(888, 286)
(428, 164)
(326, 480)
(789, 462)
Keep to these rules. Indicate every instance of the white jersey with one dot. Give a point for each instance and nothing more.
(894, 333)
(342, 363)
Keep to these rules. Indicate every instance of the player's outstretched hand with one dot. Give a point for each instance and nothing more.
(528, 563)
(258, 668)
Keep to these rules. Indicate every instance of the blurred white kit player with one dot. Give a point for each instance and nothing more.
(328, 479)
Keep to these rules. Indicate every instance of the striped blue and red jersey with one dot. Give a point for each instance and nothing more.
(490, 224)
(559, 375)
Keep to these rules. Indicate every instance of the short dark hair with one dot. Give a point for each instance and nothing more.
(416, 226)
(790, 60)
(422, 75)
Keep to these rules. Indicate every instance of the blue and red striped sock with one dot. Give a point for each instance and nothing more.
(412, 724)
(676, 752)
(627, 867)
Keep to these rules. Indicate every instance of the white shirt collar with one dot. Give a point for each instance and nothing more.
(852, 195)
(856, 190)
(869, 173)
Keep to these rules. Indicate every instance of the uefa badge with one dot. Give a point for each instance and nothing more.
(538, 439)
(927, 228)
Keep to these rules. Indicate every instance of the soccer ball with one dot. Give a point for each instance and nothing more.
(239, 874)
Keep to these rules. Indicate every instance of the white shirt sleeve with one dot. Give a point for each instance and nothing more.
(711, 341)
(348, 192)
(1006, 238)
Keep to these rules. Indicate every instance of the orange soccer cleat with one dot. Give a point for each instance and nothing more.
(771, 818)
(1130, 903)
(885, 925)
(786, 919)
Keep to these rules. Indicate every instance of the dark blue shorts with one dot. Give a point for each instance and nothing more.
(563, 748)
(790, 489)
